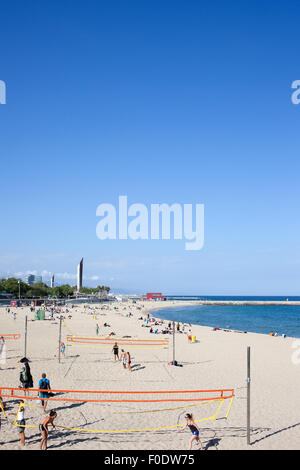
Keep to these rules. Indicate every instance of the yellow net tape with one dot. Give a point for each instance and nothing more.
(119, 431)
(2, 408)
(166, 409)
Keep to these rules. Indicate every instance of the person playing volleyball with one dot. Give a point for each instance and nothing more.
(190, 423)
(43, 427)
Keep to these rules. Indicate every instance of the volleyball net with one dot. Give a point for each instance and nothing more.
(109, 342)
(9, 336)
(118, 408)
(113, 396)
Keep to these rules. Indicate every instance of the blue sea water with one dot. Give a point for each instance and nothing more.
(253, 318)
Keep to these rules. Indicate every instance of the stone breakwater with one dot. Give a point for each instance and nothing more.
(246, 302)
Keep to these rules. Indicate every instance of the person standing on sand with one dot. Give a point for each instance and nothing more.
(44, 385)
(190, 423)
(123, 358)
(62, 348)
(43, 427)
(128, 358)
(115, 350)
(21, 422)
(97, 329)
(26, 378)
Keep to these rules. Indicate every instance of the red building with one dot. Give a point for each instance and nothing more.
(154, 296)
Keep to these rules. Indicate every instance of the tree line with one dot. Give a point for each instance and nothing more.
(40, 289)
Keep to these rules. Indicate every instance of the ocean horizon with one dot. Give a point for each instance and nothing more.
(263, 319)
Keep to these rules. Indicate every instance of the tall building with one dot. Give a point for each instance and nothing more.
(79, 275)
(52, 281)
(32, 279)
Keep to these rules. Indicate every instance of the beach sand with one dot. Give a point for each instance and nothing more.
(217, 360)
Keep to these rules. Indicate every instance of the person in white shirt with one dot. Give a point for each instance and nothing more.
(21, 422)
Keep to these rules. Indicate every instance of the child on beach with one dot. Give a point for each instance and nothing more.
(190, 423)
(62, 348)
(43, 427)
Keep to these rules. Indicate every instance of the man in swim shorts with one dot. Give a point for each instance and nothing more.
(123, 358)
(115, 350)
(44, 385)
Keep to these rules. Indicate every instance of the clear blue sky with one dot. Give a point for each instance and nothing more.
(162, 101)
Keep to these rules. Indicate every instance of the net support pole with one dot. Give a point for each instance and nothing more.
(173, 343)
(59, 338)
(248, 395)
(25, 337)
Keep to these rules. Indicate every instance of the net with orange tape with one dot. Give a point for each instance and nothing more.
(113, 396)
(109, 342)
(9, 336)
(183, 399)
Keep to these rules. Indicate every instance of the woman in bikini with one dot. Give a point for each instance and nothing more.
(190, 423)
(43, 427)
(128, 357)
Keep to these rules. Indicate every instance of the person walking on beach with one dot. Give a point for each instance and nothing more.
(97, 329)
(128, 358)
(43, 427)
(21, 422)
(115, 350)
(44, 384)
(26, 378)
(190, 423)
(123, 358)
(62, 348)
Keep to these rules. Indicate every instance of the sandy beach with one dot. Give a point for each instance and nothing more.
(217, 360)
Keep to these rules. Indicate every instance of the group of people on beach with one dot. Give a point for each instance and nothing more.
(26, 383)
(43, 426)
(124, 357)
